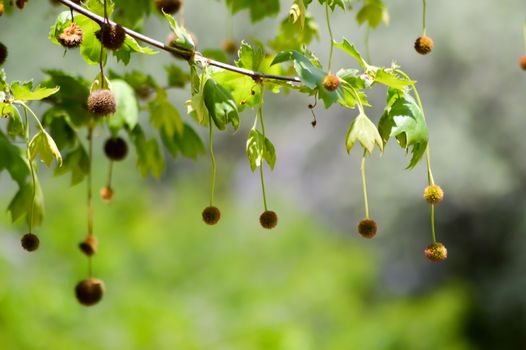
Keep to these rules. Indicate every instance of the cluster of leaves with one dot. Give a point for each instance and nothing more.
(218, 96)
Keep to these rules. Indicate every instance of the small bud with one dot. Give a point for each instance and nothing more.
(331, 82)
(89, 245)
(106, 193)
(230, 47)
(522, 62)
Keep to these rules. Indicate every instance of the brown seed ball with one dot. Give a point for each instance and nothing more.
(436, 252)
(172, 38)
(111, 37)
(168, 6)
(116, 148)
(30, 242)
(89, 245)
(106, 193)
(367, 228)
(102, 103)
(230, 47)
(72, 36)
(522, 62)
(211, 215)
(89, 291)
(433, 194)
(1, 8)
(269, 219)
(20, 4)
(424, 45)
(331, 82)
(3, 53)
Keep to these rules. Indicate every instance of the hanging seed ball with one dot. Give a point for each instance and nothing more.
(331, 82)
(1, 8)
(433, 194)
(230, 46)
(211, 215)
(89, 245)
(168, 6)
(269, 219)
(111, 37)
(116, 148)
(30, 242)
(367, 228)
(436, 252)
(522, 62)
(106, 193)
(72, 36)
(424, 45)
(20, 4)
(102, 103)
(3, 53)
(89, 291)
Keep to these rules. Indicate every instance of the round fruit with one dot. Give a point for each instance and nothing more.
(20, 4)
(3, 53)
(111, 37)
(89, 245)
(436, 252)
(433, 194)
(30, 242)
(230, 47)
(102, 103)
(168, 6)
(211, 215)
(72, 36)
(367, 228)
(106, 193)
(522, 62)
(116, 148)
(424, 45)
(331, 82)
(89, 291)
(268, 219)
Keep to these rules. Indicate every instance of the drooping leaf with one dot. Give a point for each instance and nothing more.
(127, 114)
(44, 146)
(13, 160)
(364, 131)
(75, 162)
(24, 92)
(220, 105)
(260, 148)
(164, 115)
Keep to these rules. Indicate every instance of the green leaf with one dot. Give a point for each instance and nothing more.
(349, 48)
(294, 35)
(131, 46)
(43, 145)
(364, 131)
(22, 91)
(260, 148)
(373, 12)
(13, 160)
(176, 76)
(182, 38)
(90, 49)
(127, 114)
(149, 156)
(77, 163)
(164, 115)
(258, 9)
(220, 105)
(405, 121)
(15, 126)
(188, 143)
(22, 203)
(391, 79)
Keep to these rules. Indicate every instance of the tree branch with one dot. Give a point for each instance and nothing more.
(175, 50)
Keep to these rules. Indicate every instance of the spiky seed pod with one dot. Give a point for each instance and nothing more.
(331, 82)
(230, 46)
(111, 37)
(168, 6)
(3, 53)
(89, 291)
(30, 242)
(211, 215)
(522, 62)
(72, 36)
(116, 148)
(89, 245)
(436, 252)
(367, 228)
(102, 103)
(424, 45)
(433, 194)
(269, 219)
(106, 193)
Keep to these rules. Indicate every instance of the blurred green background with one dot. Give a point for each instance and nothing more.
(312, 283)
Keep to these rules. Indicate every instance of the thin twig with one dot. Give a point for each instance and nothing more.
(177, 50)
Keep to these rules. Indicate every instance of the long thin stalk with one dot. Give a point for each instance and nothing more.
(364, 185)
(328, 19)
